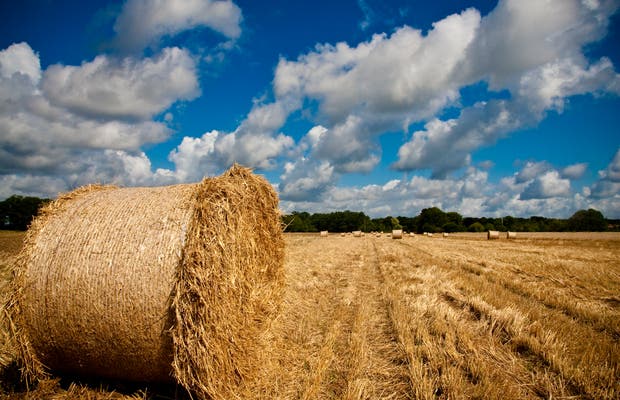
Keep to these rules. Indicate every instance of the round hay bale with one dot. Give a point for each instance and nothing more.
(491, 235)
(357, 233)
(324, 233)
(445, 234)
(511, 235)
(152, 284)
(397, 234)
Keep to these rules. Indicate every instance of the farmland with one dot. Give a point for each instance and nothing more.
(426, 318)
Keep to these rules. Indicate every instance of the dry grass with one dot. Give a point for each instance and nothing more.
(10, 244)
(429, 318)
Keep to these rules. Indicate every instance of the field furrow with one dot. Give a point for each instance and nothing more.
(579, 354)
(457, 356)
(334, 338)
(595, 309)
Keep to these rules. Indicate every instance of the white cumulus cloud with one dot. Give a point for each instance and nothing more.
(608, 184)
(522, 35)
(531, 170)
(574, 171)
(305, 180)
(19, 58)
(87, 123)
(445, 146)
(549, 184)
(144, 22)
(123, 88)
(531, 48)
(193, 158)
(406, 72)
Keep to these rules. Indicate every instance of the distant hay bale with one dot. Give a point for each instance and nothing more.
(343, 234)
(491, 235)
(357, 233)
(411, 234)
(429, 234)
(397, 234)
(446, 234)
(152, 284)
(324, 233)
(511, 235)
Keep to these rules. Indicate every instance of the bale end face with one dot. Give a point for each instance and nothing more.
(230, 284)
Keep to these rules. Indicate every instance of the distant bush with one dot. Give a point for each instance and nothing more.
(17, 212)
(475, 227)
(451, 227)
(590, 220)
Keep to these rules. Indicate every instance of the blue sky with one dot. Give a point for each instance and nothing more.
(488, 108)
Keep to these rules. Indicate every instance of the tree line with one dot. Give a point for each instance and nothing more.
(16, 213)
(435, 220)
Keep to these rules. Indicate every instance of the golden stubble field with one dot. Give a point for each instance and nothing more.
(431, 318)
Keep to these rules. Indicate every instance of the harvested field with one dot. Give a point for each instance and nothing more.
(432, 318)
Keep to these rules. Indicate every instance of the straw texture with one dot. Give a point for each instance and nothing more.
(152, 284)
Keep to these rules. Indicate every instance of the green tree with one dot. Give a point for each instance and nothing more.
(384, 224)
(509, 223)
(590, 220)
(455, 217)
(409, 224)
(455, 222)
(431, 220)
(451, 227)
(557, 225)
(430, 228)
(340, 221)
(17, 212)
(298, 222)
(467, 221)
(377, 225)
(395, 223)
(476, 227)
(498, 224)
(489, 227)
